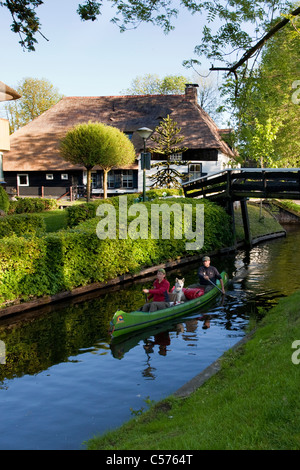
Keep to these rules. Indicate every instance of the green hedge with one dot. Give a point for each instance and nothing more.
(31, 205)
(75, 257)
(4, 199)
(81, 212)
(22, 224)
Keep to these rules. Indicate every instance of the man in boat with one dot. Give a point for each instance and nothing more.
(159, 294)
(208, 275)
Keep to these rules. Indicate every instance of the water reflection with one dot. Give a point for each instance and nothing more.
(63, 380)
(229, 314)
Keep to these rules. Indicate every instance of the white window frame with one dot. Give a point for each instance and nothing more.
(193, 174)
(18, 179)
(127, 179)
(175, 157)
(64, 176)
(49, 176)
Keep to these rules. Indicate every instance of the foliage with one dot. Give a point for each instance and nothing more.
(23, 268)
(38, 266)
(94, 143)
(25, 21)
(31, 204)
(167, 139)
(80, 212)
(21, 224)
(260, 143)
(37, 96)
(266, 115)
(151, 84)
(232, 17)
(4, 200)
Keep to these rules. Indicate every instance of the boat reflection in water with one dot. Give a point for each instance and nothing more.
(162, 335)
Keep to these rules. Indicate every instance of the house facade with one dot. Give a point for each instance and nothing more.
(34, 167)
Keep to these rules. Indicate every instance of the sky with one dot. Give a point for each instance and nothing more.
(94, 58)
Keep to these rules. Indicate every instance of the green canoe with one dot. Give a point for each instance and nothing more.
(124, 322)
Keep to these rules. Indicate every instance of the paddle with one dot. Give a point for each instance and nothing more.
(223, 293)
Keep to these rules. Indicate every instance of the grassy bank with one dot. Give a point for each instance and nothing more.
(259, 226)
(252, 403)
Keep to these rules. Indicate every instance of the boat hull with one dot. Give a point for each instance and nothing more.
(127, 322)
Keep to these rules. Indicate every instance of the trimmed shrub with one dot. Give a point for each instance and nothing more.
(4, 200)
(22, 224)
(77, 257)
(32, 204)
(87, 210)
(79, 213)
(23, 272)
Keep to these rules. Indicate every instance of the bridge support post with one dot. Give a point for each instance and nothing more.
(230, 211)
(246, 223)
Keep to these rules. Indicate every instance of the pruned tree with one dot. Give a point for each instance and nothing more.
(96, 144)
(167, 141)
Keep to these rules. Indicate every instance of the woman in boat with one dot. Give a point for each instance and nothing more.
(159, 294)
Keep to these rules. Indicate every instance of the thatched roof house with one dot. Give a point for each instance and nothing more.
(35, 147)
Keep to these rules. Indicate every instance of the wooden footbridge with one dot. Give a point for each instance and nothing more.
(240, 184)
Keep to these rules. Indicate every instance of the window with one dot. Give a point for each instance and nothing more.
(195, 170)
(23, 180)
(111, 179)
(175, 157)
(128, 134)
(49, 176)
(96, 180)
(127, 179)
(64, 176)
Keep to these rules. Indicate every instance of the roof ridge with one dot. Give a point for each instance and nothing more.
(125, 96)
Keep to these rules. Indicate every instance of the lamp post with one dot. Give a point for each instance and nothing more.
(145, 133)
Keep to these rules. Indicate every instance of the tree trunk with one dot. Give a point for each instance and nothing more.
(105, 183)
(88, 184)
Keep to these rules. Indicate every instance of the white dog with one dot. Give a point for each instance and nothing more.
(177, 296)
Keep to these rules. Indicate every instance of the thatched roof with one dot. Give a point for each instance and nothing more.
(36, 145)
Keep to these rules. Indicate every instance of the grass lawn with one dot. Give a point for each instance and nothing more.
(252, 403)
(55, 220)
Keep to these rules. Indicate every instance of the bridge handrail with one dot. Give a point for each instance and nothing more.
(247, 182)
(239, 172)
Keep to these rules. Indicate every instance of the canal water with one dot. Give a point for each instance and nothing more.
(63, 381)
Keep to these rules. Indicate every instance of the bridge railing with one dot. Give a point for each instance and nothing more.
(235, 184)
